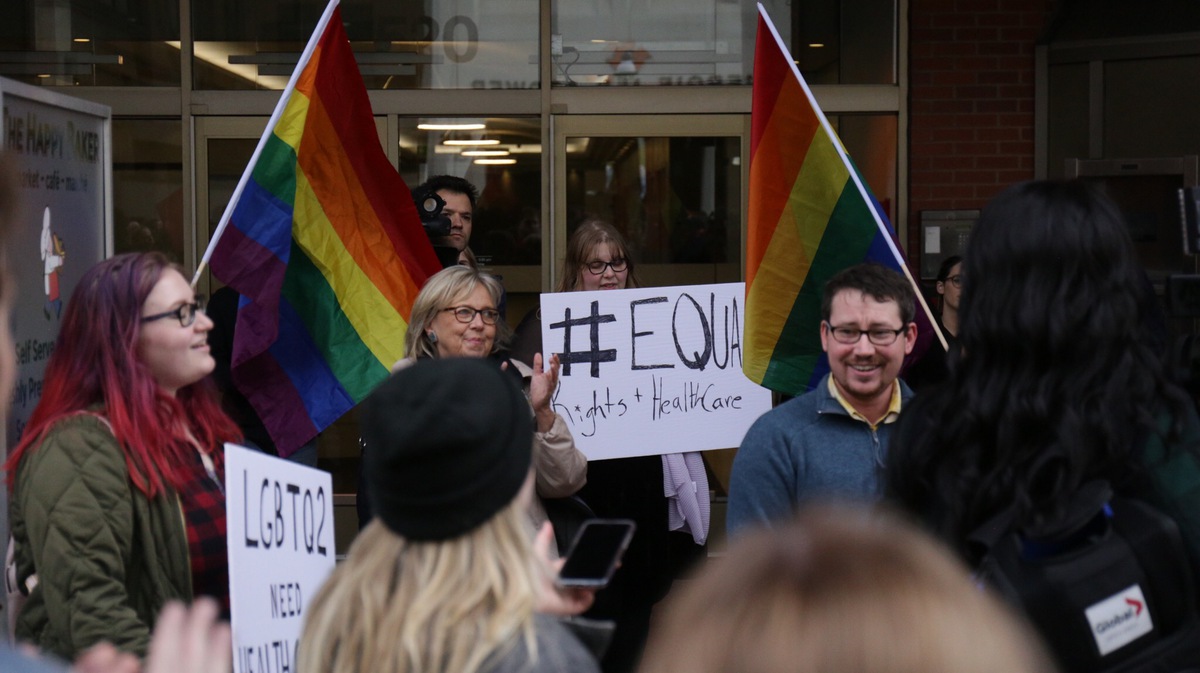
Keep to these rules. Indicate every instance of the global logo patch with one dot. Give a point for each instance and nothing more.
(1119, 619)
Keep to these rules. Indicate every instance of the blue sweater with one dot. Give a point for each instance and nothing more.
(806, 448)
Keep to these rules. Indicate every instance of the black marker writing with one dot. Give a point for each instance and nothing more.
(594, 355)
(634, 334)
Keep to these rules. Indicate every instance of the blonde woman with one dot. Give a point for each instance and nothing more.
(446, 577)
(840, 590)
(456, 315)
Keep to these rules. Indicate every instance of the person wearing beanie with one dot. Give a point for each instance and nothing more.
(455, 315)
(447, 576)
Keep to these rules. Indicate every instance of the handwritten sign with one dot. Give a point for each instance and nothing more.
(280, 531)
(652, 370)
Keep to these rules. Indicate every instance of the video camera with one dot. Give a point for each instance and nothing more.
(436, 224)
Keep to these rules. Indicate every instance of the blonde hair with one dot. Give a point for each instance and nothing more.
(441, 291)
(405, 607)
(840, 590)
(591, 233)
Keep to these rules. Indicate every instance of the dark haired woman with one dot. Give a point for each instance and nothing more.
(1056, 384)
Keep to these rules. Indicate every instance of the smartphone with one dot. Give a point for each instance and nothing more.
(596, 552)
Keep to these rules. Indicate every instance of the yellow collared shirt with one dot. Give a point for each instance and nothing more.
(893, 411)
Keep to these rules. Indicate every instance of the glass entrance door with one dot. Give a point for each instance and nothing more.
(671, 184)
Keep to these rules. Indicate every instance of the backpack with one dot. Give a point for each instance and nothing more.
(1108, 585)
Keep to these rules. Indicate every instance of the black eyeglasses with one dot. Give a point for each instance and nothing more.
(956, 279)
(186, 314)
(467, 314)
(877, 336)
(597, 267)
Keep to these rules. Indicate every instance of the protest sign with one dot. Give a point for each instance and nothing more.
(651, 370)
(280, 532)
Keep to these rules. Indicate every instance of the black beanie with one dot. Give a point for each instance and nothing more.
(447, 446)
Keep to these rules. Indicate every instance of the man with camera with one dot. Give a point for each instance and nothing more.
(451, 226)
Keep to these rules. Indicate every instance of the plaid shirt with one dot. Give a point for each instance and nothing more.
(203, 503)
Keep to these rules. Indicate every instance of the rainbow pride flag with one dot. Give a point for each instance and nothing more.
(323, 243)
(810, 216)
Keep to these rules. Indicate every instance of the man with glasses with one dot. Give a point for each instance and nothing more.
(831, 441)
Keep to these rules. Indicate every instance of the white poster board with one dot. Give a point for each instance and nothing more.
(280, 532)
(652, 370)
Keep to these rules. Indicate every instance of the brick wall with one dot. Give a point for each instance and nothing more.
(971, 73)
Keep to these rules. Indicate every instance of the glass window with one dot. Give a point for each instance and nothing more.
(148, 186)
(681, 42)
(398, 45)
(677, 200)
(90, 42)
(502, 157)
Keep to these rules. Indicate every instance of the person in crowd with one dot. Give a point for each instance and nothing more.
(1057, 401)
(447, 577)
(460, 197)
(467, 258)
(598, 259)
(949, 288)
(831, 442)
(839, 590)
(117, 504)
(1056, 384)
(931, 368)
(185, 640)
(456, 315)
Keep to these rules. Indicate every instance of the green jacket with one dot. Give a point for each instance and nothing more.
(106, 558)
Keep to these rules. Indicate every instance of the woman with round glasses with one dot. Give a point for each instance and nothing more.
(117, 502)
(598, 259)
(456, 315)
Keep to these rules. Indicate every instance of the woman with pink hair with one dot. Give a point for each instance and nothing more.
(117, 504)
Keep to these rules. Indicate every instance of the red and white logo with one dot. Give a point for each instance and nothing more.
(1119, 619)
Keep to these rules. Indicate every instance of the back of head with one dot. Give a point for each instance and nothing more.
(876, 281)
(840, 590)
(1056, 383)
(448, 444)
(1050, 266)
(445, 575)
(590, 233)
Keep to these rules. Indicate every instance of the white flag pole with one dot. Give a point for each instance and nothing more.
(279, 107)
(837, 144)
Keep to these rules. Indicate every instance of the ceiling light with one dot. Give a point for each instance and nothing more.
(495, 162)
(816, 45)
(81, 39)
(473, 126)
(468, 143)
(485, 153)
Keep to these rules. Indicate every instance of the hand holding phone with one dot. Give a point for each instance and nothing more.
(596, 552)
